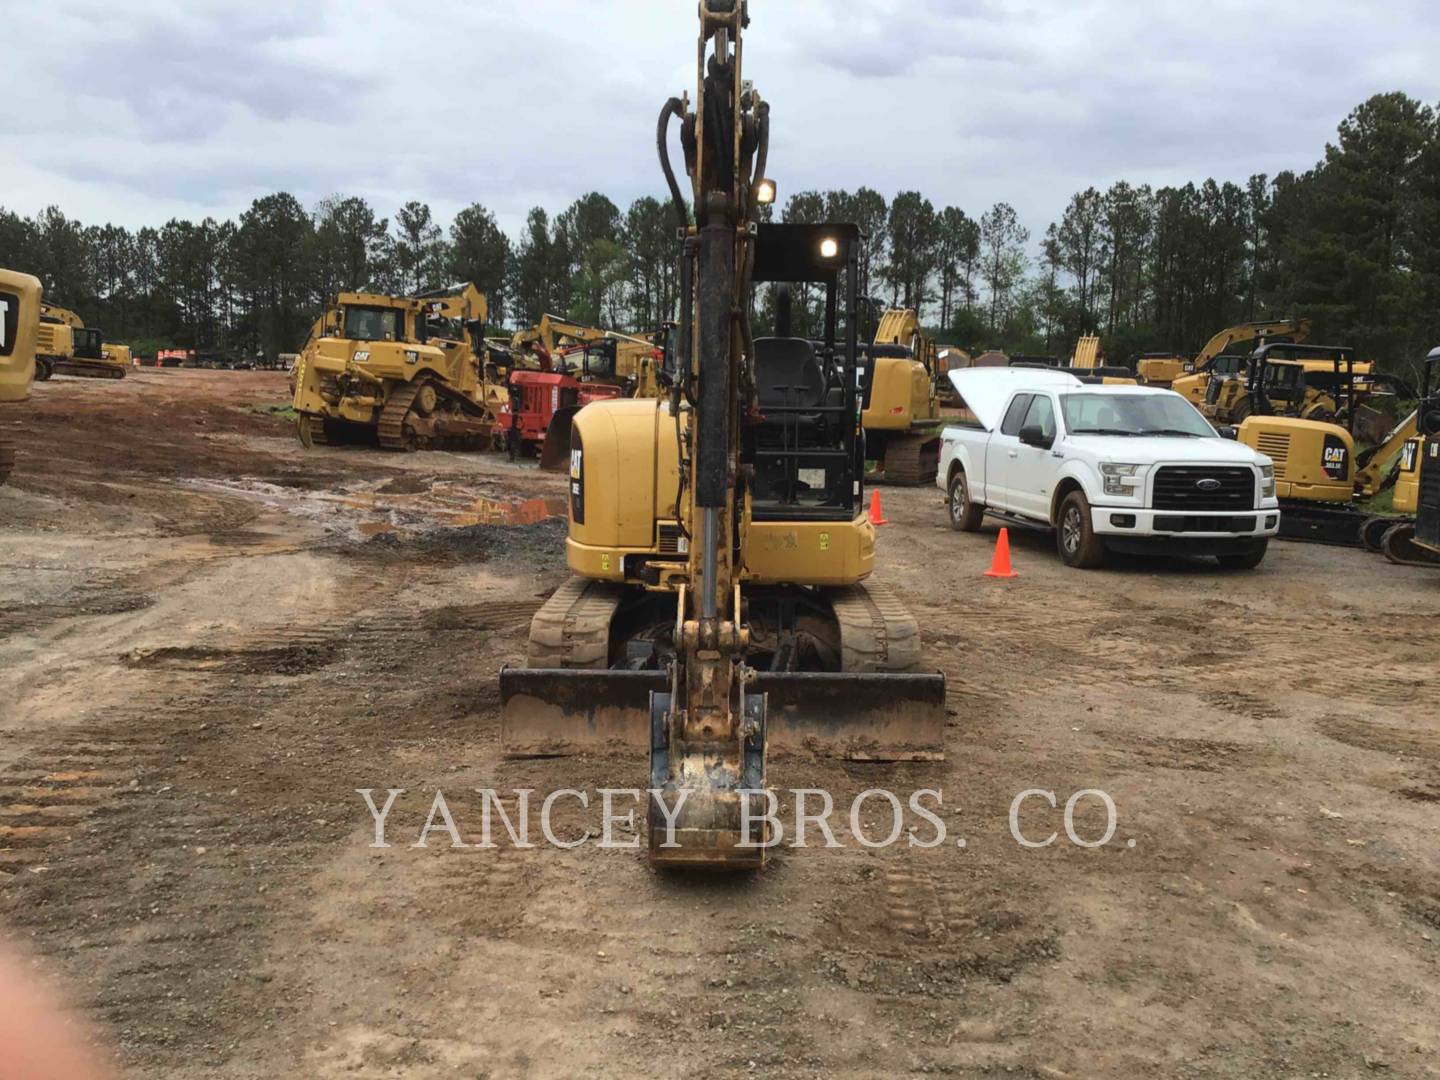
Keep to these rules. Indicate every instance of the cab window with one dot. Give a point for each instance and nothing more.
(372, 324)
(1041, 415)
(1015, 415)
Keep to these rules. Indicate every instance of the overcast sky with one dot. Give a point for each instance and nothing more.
(143, 110)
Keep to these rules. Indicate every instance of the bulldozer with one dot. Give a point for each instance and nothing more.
(20, 301)
(404, 371)
(902, 420)
(66, 346)
(719, 608)
(1191, 378)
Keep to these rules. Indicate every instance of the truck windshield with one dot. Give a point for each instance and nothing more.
(1133, 414)
(372, 324)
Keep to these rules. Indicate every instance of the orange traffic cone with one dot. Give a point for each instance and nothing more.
(877, 516)
(1000, 566)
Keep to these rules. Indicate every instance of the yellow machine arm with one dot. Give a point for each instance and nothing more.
(1295, 329)
(54, 314)
(465, 302)
(1377, 465)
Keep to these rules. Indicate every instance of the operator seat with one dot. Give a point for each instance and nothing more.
(787, 374)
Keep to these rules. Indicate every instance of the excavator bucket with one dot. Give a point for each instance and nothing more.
(858, 716)
(555, 451)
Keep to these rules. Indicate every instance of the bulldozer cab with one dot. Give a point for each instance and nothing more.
(363, 322)
(807, 454)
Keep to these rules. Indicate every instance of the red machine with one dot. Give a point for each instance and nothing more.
(542, 403)
(174, 357)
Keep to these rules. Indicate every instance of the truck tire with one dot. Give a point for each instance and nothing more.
(1248, 561)
(965, 515)
(1075, 534)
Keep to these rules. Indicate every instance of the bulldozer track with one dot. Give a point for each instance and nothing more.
(877, 631)
(572, 628)
(392, 416)
(912, 460)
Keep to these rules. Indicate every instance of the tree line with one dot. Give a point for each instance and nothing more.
(1350, 243)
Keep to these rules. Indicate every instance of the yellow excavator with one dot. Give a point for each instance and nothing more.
(555, 337)
(719, 608)
(20, 302)
(1322, 480)
(1222, 355)
(902, 420)
(64, 345)
(1088, 364)
(1396, 534)
(408, 372)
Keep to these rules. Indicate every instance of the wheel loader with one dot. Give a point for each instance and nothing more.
(406, 372)
(20, 301)
(902, 420)
(719, 608)
(64, 345)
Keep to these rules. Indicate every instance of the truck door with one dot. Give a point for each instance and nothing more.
(1032, 468)
(1002, 451)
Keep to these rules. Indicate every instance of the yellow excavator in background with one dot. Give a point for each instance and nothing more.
(406, 371)
(20, 301)
(1418, 436)
(902, 421)
(1322, 481)
(1191, 378)
(718, 537)
(1089, 366)
(634, 355)
(66, 346)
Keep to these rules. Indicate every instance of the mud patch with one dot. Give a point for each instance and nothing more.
(541, 544)
(277, 660)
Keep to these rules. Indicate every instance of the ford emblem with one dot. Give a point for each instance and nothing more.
(1208, 484)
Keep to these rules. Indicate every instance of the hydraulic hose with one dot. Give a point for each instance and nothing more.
(673, 107)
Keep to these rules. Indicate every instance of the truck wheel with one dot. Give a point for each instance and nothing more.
(965, 515)
(1248, 561)
(1075, 534)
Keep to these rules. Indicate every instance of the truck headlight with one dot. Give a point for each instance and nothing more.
(1267, 481)
(1121, 480)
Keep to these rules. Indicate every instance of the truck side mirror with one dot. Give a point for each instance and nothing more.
(1034, 435)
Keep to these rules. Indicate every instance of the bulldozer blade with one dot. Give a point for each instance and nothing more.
(859, 716)
(555, 450)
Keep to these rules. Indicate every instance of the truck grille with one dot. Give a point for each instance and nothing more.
(1277, 448)
(1179, 487)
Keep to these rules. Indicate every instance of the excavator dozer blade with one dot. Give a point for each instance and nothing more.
(859, 716)
(555, 450)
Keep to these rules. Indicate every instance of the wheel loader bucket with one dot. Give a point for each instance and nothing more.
(554, 712)
(555, 452)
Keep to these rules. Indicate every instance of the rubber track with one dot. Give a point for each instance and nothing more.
(912, 460)
(392, 416)
(572, 628)
(877, 632)
(1399, 547)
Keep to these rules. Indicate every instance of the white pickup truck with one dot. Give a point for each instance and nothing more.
(1124, 468)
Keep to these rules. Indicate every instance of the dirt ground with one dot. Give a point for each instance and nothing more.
(210, 638)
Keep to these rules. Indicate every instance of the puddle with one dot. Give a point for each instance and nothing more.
(366, 509)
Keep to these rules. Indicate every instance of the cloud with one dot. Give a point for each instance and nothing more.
(156, 109)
